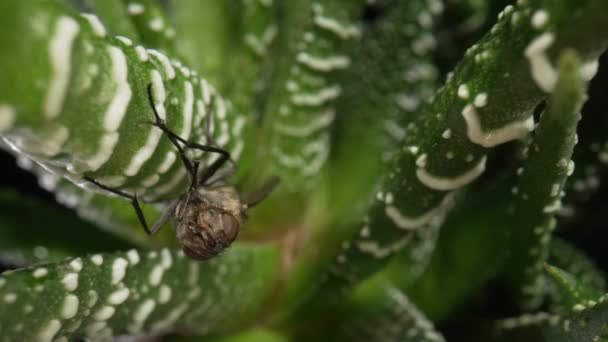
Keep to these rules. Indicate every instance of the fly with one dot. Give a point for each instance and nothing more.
(208, 216)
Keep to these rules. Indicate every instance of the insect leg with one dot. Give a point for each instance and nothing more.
(164, 217)
(160, 123)
(132, 198)
(211, 169)
(205, 148)
(176, 139)
(215, 166)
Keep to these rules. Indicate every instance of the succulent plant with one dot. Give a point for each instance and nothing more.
(433, 169)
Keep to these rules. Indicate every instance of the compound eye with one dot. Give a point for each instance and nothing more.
(231, 226)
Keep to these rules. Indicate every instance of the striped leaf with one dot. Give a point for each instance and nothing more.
(151, 23)
(49, 234)
(314, 37)
(378, 311)
(541, 178)
(484, 103)
(86, 109)
(104, 295)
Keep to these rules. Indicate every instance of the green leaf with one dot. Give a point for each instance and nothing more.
(314, 37)
(574, 261)
(151, 23)
(112, 214)
(79, 105)
(578, 305)
(488, 100)
(587, 324)
(32, 231)
(569, 291)
(113, 14)
(392, 102)
(470, 250)
(128, 293)
(377, 311)
(541, 178)
(392, 67)
(233, 43)
(255, 335)
(206, 34)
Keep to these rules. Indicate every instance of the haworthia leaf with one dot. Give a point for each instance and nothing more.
(569, 291)
(151, 23)
(83, 108)
(379, 312)
(248, 72)
(590, 158)
(112, 214)
(529, 323)
(542, 176)
(367, 126)
(313, 40)
(114, 16)
(587, 324)
(487, 101)
(234, 44)
(106, 295)
(470, 250)
(48, 235)
(206, 34)
(254, 335)
(472, 14)
(391, 66)
(574, 261)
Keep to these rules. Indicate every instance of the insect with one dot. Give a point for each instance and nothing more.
(208, 216)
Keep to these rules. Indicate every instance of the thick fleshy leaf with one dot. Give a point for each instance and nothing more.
(151, 23)
(488, 100)
(206, 34)
(255, 335)
(470, 250)
(569, 291)
(84, 108)
(313, 40)
(234, 44)
(378, 311)
(136, 294)
(48, 235)
(541, 178)
(115, 17)
(587, 324)
(574, 261)
(114, 215)
(376, 126)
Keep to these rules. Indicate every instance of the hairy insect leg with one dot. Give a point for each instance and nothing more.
(176, 139)
(132, 198)
(160, 123)
(211, 169)
(193, 145)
